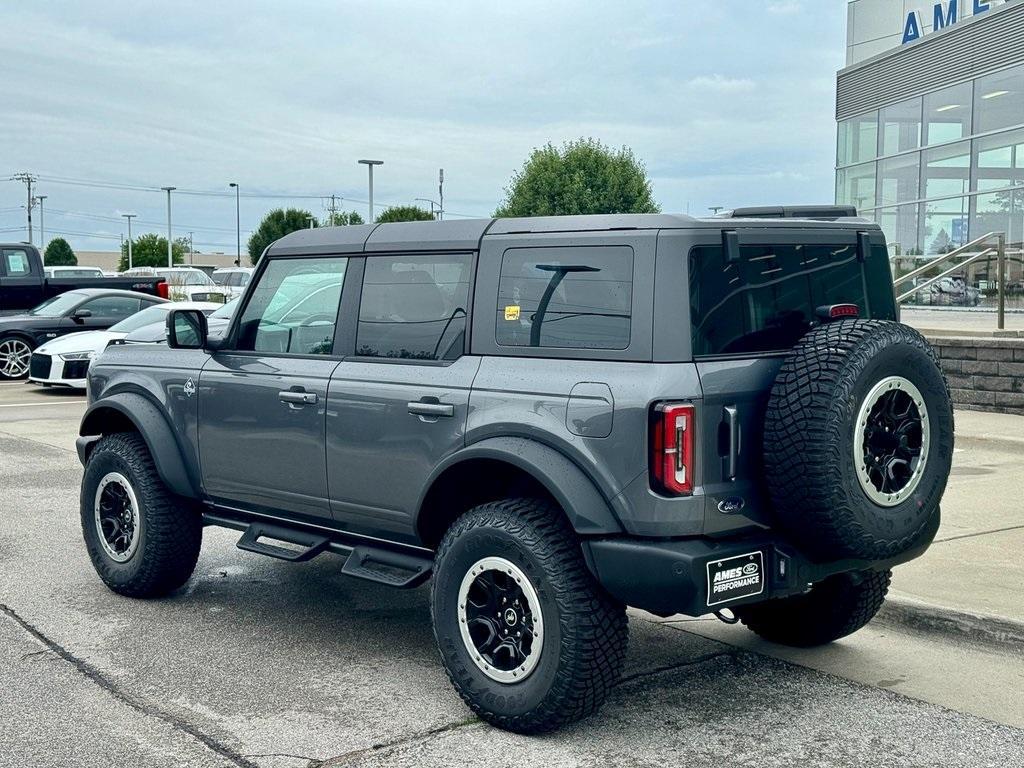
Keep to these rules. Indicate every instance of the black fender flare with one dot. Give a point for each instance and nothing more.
(586, 508)
(155, 430)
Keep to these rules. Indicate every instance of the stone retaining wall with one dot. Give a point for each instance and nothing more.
(985, 374)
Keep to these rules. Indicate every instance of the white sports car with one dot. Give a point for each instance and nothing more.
(65, 360)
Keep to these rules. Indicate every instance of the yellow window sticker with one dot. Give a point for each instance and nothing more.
(512, 312)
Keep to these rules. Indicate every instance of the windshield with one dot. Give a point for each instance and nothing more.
(58, 305)
(145, 317)
(186, 277)
(227, 310)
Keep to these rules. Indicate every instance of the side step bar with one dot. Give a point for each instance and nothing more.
(384, 566)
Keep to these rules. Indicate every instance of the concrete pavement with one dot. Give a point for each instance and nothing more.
(263, 663)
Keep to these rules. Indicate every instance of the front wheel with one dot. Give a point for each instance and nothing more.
(143, 540)
(528, 638)
(831, 609)
(15, 356)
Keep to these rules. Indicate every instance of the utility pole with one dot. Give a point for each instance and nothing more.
(191, 249)
(369, 164)
(170, 248)
(29, 180)
(42, 230)
(129, 216)
(332, 211)
(238, 228)
(433, 205)
(440, 194)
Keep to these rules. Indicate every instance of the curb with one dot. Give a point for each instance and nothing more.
(934, 619)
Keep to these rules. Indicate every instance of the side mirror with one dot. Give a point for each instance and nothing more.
(80, 314)
(186, 329)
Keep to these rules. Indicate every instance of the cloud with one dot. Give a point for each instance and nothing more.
(785, 7)
(721, 83)
(256, 93)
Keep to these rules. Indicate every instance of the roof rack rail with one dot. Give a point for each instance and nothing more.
(828, 212)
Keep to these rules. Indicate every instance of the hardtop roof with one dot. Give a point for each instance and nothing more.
(465, 234)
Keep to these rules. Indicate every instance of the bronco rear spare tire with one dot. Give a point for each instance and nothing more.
(858, 440)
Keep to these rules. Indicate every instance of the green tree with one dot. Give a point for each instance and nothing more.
(343, 219)
(404, 213)
(59, 254)
(580, 177)
(150, 250)
(275, 225)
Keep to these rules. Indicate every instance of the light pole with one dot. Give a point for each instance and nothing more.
(191, 249)
(369, 164)
(440, 194)
(129, 216)
(238, 228)
(170, 251)
(42, 229)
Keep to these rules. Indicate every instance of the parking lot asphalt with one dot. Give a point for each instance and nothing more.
(262, 663)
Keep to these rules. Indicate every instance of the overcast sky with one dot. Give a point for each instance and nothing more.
(727, 102)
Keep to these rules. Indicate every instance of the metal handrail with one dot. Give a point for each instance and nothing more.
(964, 250)
(947, 273)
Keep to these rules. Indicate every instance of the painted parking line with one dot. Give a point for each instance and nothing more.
(29, 405)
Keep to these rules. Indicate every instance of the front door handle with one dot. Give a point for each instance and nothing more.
(433, 410)
(293, 397)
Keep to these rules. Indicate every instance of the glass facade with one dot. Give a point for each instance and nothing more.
(941, 169)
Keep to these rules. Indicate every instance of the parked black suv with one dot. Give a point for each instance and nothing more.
(554, 417)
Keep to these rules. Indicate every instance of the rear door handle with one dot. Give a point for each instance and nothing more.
(732, 423)
(293, 397)
(420, 408)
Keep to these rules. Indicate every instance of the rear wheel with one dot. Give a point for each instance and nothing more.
(143, 540)
(528, 638)
(15, 356)
(831, 609)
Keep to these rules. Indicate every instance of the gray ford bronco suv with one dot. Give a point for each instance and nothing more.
(555, 418)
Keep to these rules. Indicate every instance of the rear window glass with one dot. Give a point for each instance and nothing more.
(767, 300)
(570, 297)
(414, 307)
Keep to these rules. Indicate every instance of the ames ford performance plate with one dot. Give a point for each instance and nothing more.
(735, 577)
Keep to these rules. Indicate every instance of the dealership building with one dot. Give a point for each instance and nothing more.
(930, 111)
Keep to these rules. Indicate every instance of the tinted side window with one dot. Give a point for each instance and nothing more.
(294, 308)
(414, 307)
(113, 307)
(571, 297)
(16, 263)
(767, 300)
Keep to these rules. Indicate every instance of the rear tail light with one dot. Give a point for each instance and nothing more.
(163, 290)
(672, 438)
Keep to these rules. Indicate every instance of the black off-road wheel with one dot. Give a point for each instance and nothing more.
(833, 608)
(529, 640)
(858, 441)
(142, 539)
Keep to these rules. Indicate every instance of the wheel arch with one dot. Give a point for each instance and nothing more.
(502, 466)
(129, 411)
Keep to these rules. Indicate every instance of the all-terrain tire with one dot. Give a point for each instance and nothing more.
(585, 630)
(170, 530)
(833, 608)
(812, 456)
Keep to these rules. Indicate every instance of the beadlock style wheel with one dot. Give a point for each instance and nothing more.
(500, 620)
(116, 512)
(891, 437)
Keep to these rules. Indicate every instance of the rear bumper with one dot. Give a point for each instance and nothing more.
(667, 577)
